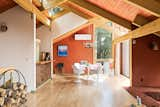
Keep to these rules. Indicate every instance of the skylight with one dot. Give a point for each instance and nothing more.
(55, 10)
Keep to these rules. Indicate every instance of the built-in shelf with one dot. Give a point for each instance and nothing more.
(43, 72)
(43, 62)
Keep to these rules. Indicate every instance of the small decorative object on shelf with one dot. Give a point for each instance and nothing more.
(12, 93)
(3, 27)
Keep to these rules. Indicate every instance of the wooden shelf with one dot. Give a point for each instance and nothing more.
(43, 62)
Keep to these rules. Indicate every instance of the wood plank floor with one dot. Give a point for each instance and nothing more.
(62, 91)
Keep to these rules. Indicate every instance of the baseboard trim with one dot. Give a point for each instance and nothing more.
(44, 83)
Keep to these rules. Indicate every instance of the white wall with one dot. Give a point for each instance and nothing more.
(45, 36)
(17, 44)
(60, 26)
(125, 58)
(66, 23)
(117, 62)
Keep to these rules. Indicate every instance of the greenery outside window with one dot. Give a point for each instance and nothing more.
(103, 44)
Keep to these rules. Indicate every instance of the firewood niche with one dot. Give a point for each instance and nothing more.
(13, 91)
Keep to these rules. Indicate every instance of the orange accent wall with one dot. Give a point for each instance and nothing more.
(76, 50)
(146, 62)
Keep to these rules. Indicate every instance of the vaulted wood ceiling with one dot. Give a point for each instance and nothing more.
(122, 9)
(117, 7)
(6, 4)
(118, 11)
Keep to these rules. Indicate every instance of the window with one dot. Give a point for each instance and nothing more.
(54, 11)
(103, 43)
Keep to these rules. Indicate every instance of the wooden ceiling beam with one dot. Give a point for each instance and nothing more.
(104, 13)
(50, 4)
(27, 5)
(59, 14)
(151, 6)
(37, 3)
(141, 20)
(53, 3)
(67, 7)
(145, 30)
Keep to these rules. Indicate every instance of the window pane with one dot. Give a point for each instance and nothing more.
(55, 10)
(104, 43)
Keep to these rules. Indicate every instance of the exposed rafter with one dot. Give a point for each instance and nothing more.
(53, 3)
(151, 6)
(147, 29)
(50, 4)
(140, 21)
(67, 7)
(27, 5)
(37, 3)
(106, 14)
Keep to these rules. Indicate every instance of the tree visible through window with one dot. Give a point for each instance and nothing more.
(104, 43)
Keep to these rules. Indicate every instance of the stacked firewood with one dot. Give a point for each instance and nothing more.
(3, 95)
(15, 95)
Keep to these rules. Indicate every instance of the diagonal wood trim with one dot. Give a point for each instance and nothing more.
(67, 7)
(147, 29)
(101, 12)
(31, 8)
(81, 9)
(151, 6)
(53, 3)
(37, 3)
(140, 21)
(59, 14)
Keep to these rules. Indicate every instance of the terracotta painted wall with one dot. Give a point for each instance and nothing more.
(76, 50)
(146, 63)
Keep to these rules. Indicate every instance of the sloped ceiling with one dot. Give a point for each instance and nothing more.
(67, 23)
(121, 8)
(6, 4)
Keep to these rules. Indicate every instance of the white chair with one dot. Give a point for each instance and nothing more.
(106, 68)
(78, 69)
(96, 68)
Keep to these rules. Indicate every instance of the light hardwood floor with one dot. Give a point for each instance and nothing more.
(62, 91)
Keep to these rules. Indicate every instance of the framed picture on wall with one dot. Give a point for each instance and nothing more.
(62, 50)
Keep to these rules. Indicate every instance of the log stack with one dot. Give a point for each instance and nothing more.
(13, 96)
(3, 95)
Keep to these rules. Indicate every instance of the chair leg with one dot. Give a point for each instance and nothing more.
(97, 76)
(78, 79)
(88, 75)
